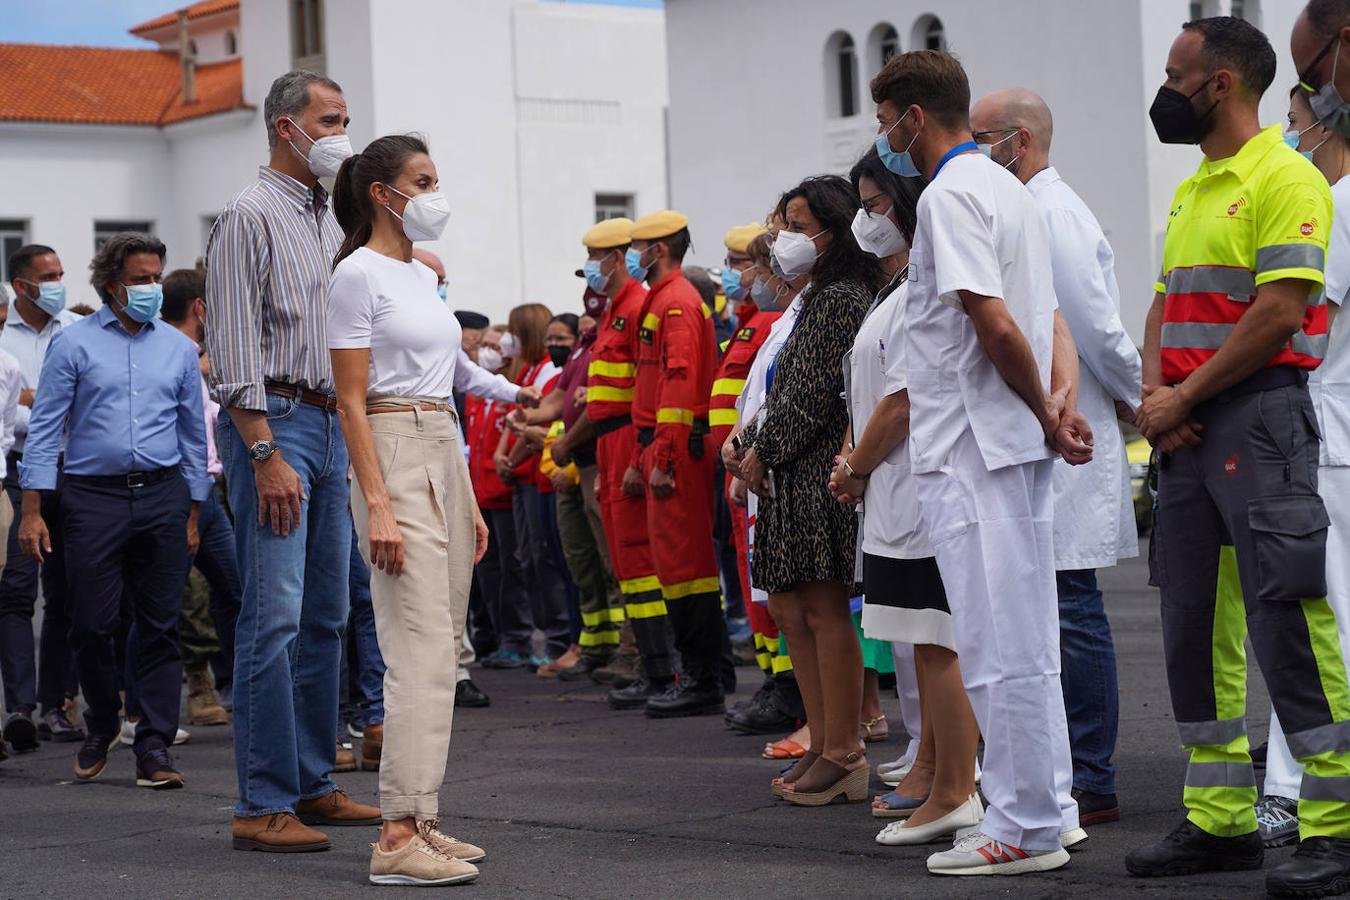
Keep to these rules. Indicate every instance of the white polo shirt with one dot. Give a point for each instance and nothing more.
(1330, 382)
(980, 231)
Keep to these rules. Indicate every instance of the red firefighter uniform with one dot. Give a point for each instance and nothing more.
(677, 357)
(730, 381)
(609, 400)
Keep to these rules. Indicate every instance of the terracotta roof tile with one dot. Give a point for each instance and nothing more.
(194, 11)
(93, 85)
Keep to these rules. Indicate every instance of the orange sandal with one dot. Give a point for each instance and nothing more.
(787, 748)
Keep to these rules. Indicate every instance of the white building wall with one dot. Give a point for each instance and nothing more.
(751, 79)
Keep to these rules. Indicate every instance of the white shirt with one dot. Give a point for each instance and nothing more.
(11, 382)
(1330, 382)
(978, 231)
(391, 307)
(1094, 512)
(29, 348)
(875, 369)
(756, 389)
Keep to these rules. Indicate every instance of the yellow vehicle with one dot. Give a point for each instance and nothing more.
(1139, 455)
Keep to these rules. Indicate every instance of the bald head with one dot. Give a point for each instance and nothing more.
(431, 261)
(1014, 108)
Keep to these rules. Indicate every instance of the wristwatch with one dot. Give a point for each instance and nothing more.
(261, 450)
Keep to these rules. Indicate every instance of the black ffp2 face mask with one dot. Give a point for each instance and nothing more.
(1175, 119)
(559, 355)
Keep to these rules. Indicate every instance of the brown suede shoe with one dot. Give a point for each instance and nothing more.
(336, 809)
(203, 706)
(277, 833)
(344, 760)
(372, 746)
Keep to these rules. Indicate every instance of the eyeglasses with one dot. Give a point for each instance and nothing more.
(1305, 77)
(979, 136)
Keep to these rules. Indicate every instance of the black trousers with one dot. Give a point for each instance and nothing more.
(43, 674)
(128, 542)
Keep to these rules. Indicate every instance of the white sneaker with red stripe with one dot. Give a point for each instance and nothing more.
(979, 854)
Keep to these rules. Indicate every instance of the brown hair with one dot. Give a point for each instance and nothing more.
(759, 249)
(382, 161)
(931, 79)
(529, 323)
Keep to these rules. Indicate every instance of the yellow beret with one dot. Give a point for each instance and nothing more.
(658, 225)
(738, 239)
(607, 234)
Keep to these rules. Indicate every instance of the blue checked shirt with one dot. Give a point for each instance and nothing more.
(127, 403)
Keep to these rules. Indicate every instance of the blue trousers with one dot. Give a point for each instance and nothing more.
(1088, 675)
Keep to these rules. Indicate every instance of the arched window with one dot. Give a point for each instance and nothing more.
(192, 47)
(882, 43)
(928, 34)
(841, 75)
(231, 43)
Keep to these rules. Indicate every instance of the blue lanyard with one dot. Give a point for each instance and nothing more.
(773, 363)
(959, 148)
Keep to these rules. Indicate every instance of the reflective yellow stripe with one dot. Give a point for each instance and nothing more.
(759, 641)
(650, 322)
(612, 394)
(765, 661)
(707, 313)
(598, 638)
(728, 386)
(697, 586)
(591, 619)
(771, 644)
(649, 610)
(674, 416)
(640, 585)
(613, 615)
(611, 369)
(782, 664)
(724, 416)
(725, 344)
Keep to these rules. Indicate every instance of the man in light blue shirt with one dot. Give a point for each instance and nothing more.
(126, 391)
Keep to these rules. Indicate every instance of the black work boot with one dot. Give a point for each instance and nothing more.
(1320, 868)
(1189, 850)
(754, 700)
(765, 717)
(688, 698)
(635, 696)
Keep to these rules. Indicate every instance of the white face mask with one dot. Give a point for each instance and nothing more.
(510, 349)
(795, 252)
(327, 154)
(877, 234)
(489, 358)
(425, 215)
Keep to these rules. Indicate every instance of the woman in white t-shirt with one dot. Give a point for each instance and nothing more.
(904, 600)
(396, 355)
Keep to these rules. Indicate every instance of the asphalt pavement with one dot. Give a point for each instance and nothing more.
(571, 799)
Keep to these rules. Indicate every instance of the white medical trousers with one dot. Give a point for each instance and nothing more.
(1284, 774)
(992, 532)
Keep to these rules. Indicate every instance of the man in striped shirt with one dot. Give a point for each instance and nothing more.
(267, 262)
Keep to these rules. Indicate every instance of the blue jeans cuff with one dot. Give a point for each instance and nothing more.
(324, 793)
(243, 813)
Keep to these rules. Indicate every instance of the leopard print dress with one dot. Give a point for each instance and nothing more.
(803, 534)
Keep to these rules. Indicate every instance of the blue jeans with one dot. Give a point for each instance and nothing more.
(219, 565)
(539, 556)
(1088, 675)
(369, 663)
(288, 640)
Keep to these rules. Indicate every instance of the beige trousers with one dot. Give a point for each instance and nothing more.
(419, 614)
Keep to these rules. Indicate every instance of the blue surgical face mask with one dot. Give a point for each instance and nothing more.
(144, 301)
(1292, 138)
(731, 284)
(51, 297)
(442, 290)
(760, 293)
(633, 261)
(900, 163)
(596, 280)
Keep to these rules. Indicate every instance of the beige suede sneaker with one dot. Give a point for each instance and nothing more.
(418, 863)
(430, 831)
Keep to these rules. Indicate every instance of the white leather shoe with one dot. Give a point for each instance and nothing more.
(1067, 839)
(891, 773)
(901, 834)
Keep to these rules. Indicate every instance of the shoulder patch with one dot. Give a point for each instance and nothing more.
(620, 323)
(745, 334)
(646, 335)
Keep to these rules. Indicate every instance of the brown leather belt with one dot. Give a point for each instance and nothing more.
(376, 408)
(326, 402)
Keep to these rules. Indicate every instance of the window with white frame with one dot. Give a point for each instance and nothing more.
(307, 35)
(613, 206)
(841, 76)
(13, 235)
(928, 33)
(106, 228)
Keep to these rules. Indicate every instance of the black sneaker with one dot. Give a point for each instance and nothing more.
(155, 769)
(1096, 809)
(636, 695)
(93, 756)
(1277, 821)
(20, 731)
(1320, 868)
(680, 700)
(764, 718)
(470, 695)
(1189, 850)
(57, 728)
(583, 669)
